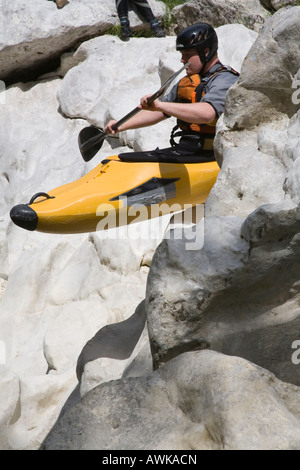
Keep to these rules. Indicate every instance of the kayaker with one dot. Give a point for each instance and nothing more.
(197, 100)
(144, 9)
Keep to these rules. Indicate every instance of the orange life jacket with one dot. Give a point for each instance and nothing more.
(190, 90)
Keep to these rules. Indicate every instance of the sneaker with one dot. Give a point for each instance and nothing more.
(61, 3)
(158, 32)
(126, 32)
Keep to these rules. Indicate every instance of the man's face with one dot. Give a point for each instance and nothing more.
(191, 55)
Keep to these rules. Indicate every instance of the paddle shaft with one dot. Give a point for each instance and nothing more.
(136, 110)
(91, 146)
(99, 138)
(128, 116)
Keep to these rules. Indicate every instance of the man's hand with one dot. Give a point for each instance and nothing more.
(148, 107)
(109, 129)
(143, 118)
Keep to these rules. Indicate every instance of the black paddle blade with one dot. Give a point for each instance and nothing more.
(90, 141)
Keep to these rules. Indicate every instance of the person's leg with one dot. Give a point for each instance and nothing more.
(122, 10)
(157, 30)
(145, 11)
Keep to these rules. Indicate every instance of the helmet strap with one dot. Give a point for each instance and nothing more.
(203, 58)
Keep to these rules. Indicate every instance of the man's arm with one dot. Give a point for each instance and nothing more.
(143, 119)
(197, 113)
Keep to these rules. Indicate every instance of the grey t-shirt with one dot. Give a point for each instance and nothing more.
(215, 90)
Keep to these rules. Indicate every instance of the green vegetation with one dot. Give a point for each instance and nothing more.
(143, 33)
(170, 4)
(168, 19)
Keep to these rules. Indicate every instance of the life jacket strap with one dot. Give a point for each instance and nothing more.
(190, 90)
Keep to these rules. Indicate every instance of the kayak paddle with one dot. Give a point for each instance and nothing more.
(91, 138)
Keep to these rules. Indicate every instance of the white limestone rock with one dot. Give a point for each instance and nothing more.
(250, 178)
(41, 398)
(277, 4)
(9, 397)
(229, 35)
(239, 293)
(265, 92)
(105, 369)
(96, 91)
(35, 33)
(249, 13)
(200, 400)
(40, 146)
(56, 291)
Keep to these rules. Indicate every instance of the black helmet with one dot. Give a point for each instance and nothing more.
(199, 36)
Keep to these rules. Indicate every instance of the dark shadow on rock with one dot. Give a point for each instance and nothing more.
(73, 399)
(116, 341)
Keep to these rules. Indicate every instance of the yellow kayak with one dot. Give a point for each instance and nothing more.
(117, 193)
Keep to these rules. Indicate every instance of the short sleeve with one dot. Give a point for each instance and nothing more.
(171, 96)
(216, 90)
